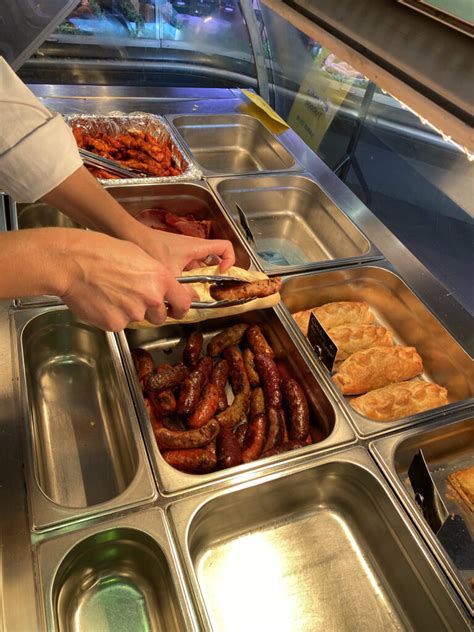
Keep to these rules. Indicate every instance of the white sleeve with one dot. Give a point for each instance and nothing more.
(37, 148)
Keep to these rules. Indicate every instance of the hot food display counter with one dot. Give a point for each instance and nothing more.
(112, 522)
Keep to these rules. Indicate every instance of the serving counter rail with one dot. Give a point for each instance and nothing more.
(101, 531)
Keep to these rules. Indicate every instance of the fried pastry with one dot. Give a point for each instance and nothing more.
(351, 338)
(400, 400)
(334, 314)
(463, 482)
(376, 367)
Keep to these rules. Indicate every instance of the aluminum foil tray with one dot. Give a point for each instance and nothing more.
(119, 123)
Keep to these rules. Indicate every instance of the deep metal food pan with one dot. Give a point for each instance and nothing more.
(184, 198)
(295, 224)
(118, 576)
(84, 454)
(396, 307)
(231, 144)
(324, 547)
(38, 215)
(447, 446)
(166, 345)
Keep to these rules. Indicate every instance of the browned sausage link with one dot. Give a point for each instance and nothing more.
(178, 439)
(196, 461)
(150, 409)
(283, 426)
(226, 338)
(255, 439)
(206, 407)
(189, 393)
(241, 432)
(298, 409)
(249, 364)
(164, 401)
(219, 376)
(257, 341)
(270, 377)
(284, 447)
(257, 402)
(166, 377)
(236, 412)
(228, 449)
(252, 289)
(193, 348)
(274, 433)
(238, 374)
(205, 366)
(143, 363)
(173, 423)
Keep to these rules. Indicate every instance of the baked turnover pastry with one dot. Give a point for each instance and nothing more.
(463, 482)
(351, 338)
(400, 400)
(376, 367)
(334, 314)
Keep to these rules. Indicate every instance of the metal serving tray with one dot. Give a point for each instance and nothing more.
(3, 216)
(38, 215)
(84, 454)
(295, 224)
(120, 576)
(166, 345)
(447, 446)
(324, 547)
(184, 198)
(396, 307)
(230, 144)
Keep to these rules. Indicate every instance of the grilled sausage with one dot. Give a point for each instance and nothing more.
(228, 449)
(190, 393)
(257, 341)
(166, 377)
(219, 376)
(270, 377)
(240, 432)
(274, 432)
(226, 338)
(298, 410)
(164, 402)
(252, 289)
(206, 407)
(195, 461)
(255, 438)
(193, 348)
(249, 364)
(177, 439)
(205, 366)
(238, 374)
(236, 412)
(257, 402)
(284, 447)
(143, 363)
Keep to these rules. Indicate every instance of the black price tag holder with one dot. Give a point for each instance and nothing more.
(322, 344)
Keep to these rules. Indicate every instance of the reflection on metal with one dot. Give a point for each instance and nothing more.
(453, 17)
(257, 48)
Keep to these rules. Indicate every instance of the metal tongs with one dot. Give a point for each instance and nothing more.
(215, 280)
(99, 162)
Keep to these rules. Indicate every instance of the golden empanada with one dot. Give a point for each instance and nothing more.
(463, 482)
(376, 367)
(400, 400)
(351, 338)
(334, 314)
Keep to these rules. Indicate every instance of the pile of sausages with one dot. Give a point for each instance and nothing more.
(196, 428)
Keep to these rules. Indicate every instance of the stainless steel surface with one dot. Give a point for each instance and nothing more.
(397, 308)
(232, 144)
(121, 576)
(38, 215)
(83, 450)
(184, 198)
(166, 345)
(323, 547)
(447, 446)
(3, 215)
(296, 226)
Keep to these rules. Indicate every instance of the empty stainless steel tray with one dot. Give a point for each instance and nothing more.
(398, 309)
(324, 547)
(447, 446)
(84, 453)
(38, 215)
(166, 345)
(295, 224)
(183, 198)
(118, 576)
(231, 144)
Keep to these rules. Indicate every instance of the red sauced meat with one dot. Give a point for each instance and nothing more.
(161, 219)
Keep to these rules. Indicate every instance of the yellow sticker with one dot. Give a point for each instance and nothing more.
(260, 109)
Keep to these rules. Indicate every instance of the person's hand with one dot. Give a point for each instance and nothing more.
(109, 282)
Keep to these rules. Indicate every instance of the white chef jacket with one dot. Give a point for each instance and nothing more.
(37, 148)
